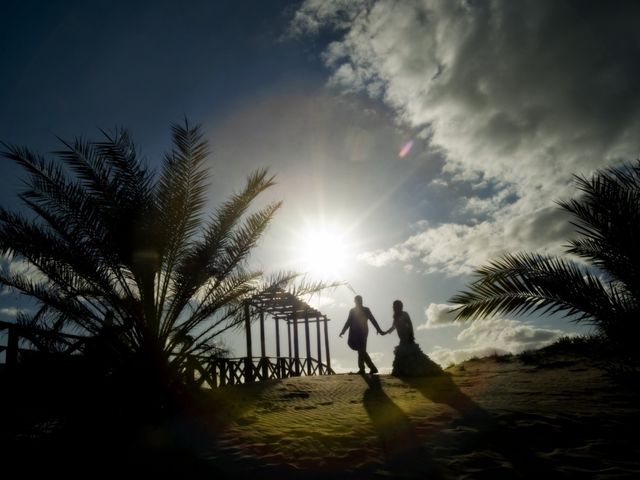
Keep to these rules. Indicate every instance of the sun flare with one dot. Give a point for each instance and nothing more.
(324, 253)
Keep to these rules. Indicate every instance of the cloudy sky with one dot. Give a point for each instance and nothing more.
(412, 140)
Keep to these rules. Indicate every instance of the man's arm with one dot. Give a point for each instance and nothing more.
(373, 320)
(347, 324)
(391, 328)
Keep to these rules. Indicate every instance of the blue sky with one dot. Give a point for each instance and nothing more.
(502, 100)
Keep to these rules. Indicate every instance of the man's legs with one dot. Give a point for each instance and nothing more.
(361, 360)
(364, 358)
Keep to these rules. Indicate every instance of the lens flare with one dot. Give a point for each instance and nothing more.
(406, 148)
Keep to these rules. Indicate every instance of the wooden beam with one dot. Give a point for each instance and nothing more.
(247, 329)
(277, 338)
(307, 341)
(278, 369)
(265, 366)
(262, 346)
(319, 344)
(289, 338)
(248, 364)
(326, 343)
(296, 348)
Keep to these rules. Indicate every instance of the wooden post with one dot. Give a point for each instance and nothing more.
(248, 364)
(296, 349)
(223, 373)
(11, 355)
(289, 336)
(262, 347)
(232, 373)
(214, 373)
(263, 355)
(278, 366)
(277, 337)
(319, 344)
(307, 341)
(326, 343)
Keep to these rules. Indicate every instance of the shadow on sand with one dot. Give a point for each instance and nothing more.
(481, 433)
(405, 456)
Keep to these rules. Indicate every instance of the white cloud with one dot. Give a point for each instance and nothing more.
(510, 335)
(339, 367)
(377, 357)
(457, 249)
(496, 335)
(446, 356)
(438, 315)
(523, 96)
(498, 86)
(313, 15)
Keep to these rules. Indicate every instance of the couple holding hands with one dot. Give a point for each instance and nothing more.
(357, 324)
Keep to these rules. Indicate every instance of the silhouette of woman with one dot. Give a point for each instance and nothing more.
(402, 323)
(409, 361)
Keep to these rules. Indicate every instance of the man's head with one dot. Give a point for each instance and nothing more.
(358, 300)
(397, 306)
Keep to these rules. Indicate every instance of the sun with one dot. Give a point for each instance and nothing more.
(324, 253)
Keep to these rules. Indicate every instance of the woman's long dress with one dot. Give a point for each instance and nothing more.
(409, 360)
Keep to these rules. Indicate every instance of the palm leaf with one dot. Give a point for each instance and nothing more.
(526, 283)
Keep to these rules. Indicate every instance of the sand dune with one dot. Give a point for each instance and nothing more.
(488, 418)
(555, 416)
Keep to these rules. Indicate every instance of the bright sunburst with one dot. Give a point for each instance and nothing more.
(324, 253)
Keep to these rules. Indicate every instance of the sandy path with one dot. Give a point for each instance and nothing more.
(488, 419)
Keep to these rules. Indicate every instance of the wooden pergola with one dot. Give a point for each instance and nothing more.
(285, 308)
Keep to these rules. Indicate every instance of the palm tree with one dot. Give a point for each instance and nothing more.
(604, 292)
(109, 242)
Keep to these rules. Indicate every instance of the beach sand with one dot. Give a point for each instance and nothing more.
(490, 418)
(495, 418)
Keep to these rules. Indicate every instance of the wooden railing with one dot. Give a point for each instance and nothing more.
(22, 341)
(218, 372)
(210, 372)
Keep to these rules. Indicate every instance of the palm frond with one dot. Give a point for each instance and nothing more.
(223, 249)
(525, 283)
(607, 215)
(108, 239)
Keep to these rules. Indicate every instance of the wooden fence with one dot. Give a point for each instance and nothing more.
(217, 372)
(211, 372)
(21, 342)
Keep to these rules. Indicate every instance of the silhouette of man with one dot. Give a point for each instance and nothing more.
(402, 323)
(358, 326)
